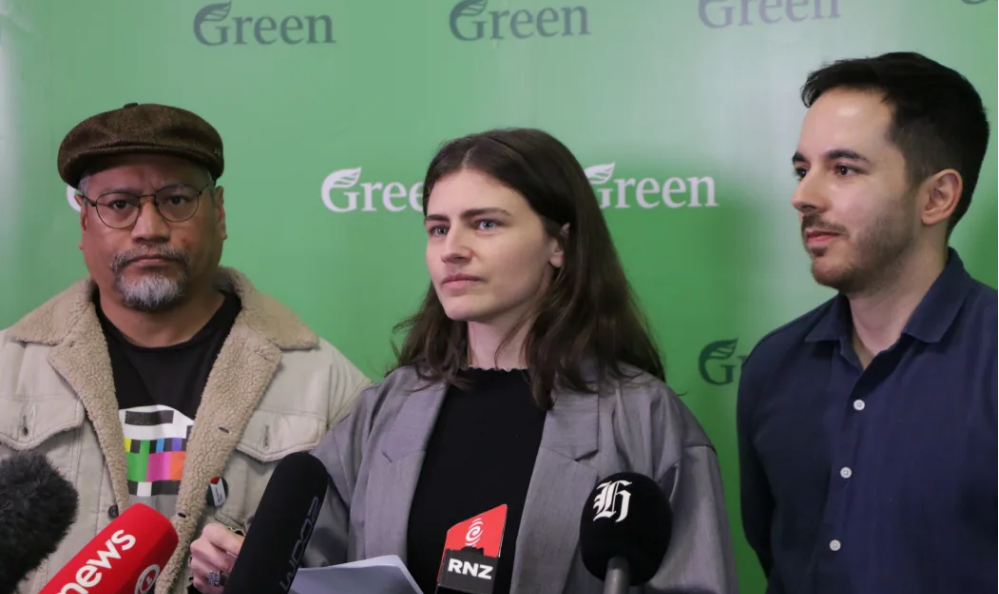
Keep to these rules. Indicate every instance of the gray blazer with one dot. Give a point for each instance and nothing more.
(374, 456)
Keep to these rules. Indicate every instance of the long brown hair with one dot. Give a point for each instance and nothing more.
(589, 312)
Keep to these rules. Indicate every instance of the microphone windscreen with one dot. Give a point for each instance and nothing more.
(126, 557)
(281, 528)
(627, 515)
(37, 507)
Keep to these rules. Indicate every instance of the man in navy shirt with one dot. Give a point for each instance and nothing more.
(868, 426)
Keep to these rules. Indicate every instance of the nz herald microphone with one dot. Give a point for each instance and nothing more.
(127, 556)
(625, 531)
(281, 528)
(471, 554)
(37, 507)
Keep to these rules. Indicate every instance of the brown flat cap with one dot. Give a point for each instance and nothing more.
(135, 128)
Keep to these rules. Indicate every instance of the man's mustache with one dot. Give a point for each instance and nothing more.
(123, 259)
(813, 221)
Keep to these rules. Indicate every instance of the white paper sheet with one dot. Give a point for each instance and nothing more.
(380, 575)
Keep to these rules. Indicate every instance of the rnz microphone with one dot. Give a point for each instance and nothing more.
(625, 531)
(127, 556)
(37, 507)
(281, 528)
(471, 554)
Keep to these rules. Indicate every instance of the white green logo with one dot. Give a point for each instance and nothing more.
(470, 20)
(343, 191)
(650, 192)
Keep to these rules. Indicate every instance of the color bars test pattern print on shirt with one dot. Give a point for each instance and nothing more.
(155, 447)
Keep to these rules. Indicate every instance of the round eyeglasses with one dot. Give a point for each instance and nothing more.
(120, 210)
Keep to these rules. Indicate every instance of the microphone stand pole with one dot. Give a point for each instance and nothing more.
(618, 579)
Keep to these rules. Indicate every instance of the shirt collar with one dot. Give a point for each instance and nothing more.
(932, 318)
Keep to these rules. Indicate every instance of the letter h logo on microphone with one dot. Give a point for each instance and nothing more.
(612, 500)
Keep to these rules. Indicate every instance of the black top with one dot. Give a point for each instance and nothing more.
(158, 392)
(880, 479)
(175, 375)
(480, 455)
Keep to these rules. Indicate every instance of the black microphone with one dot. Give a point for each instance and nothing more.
(625, 531)
(37, 508)
(281, 528)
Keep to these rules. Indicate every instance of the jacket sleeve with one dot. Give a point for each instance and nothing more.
(340, 452)
(700, 558)
(756, 500)
(346, 384)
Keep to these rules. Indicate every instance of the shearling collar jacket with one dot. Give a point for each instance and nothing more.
(275, 388)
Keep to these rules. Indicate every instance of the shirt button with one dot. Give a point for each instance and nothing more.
(113, 512)
(834, 545)
(859, 404)
(846, 472)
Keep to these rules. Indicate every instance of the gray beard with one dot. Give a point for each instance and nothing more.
(151, 293)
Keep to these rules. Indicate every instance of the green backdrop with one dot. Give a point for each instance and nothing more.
(685, 113)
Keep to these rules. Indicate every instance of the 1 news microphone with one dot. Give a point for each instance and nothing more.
(37, 507)
(625, 531)
(281, 528)
(126, 557)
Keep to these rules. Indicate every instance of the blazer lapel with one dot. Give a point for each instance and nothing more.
(549, 528)
(393, 478)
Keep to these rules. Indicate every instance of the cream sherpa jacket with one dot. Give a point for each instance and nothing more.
(275, 388)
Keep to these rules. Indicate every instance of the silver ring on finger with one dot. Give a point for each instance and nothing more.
(216, 579)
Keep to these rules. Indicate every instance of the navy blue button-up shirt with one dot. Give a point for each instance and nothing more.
(880, 480)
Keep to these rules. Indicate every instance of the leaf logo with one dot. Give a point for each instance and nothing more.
(339, 180)
(342, 179)
(599, 174)
(722, 349)
(214, 12)
(469, 8)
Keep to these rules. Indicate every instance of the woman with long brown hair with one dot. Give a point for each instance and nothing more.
(527, 374)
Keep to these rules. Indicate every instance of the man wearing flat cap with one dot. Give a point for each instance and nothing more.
(162, 378)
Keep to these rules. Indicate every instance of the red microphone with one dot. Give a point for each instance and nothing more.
(126, 557)
(471, 554)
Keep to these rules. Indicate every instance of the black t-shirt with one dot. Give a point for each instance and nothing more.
(480, 455)
(158, 391)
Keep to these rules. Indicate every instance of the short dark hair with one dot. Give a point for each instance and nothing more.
(938, 119)
(589, 313)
